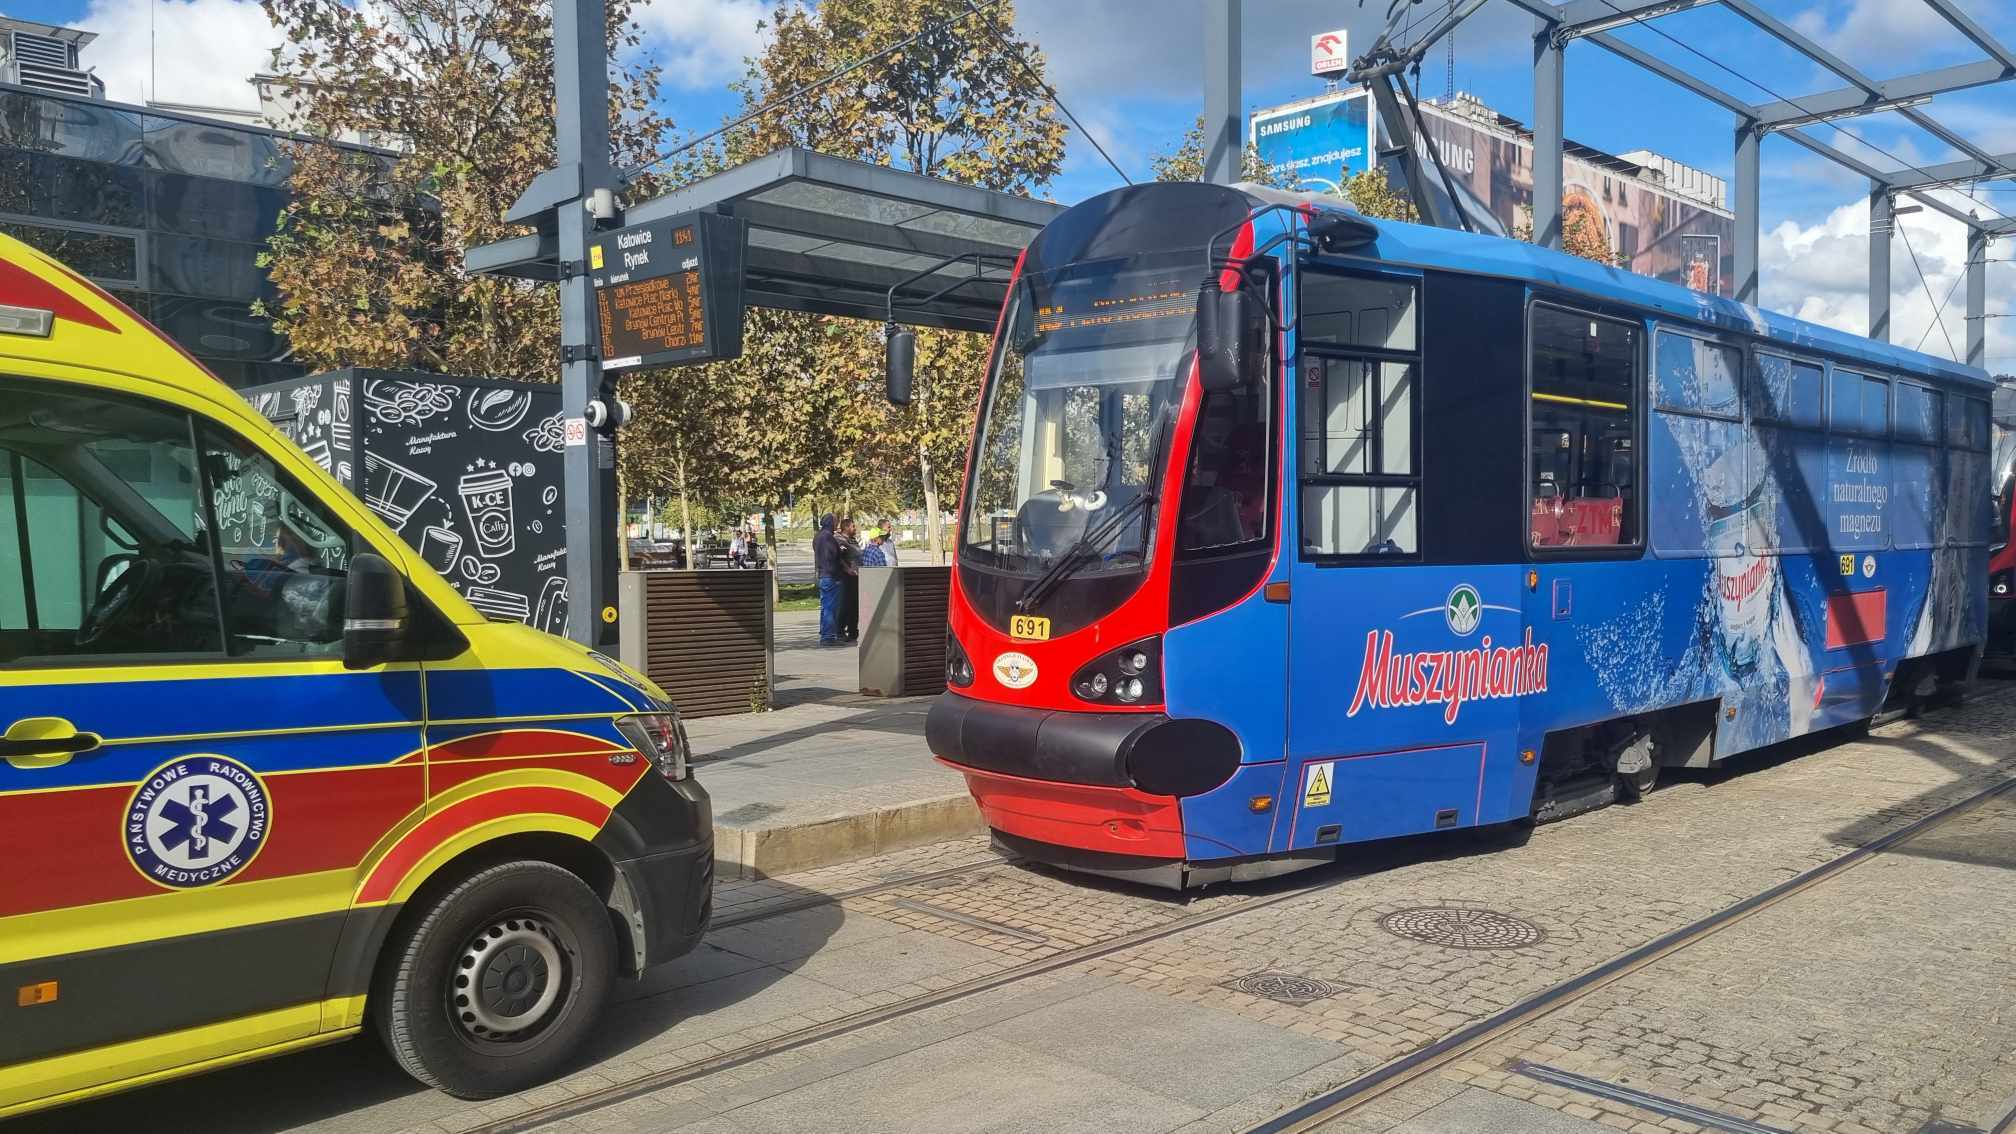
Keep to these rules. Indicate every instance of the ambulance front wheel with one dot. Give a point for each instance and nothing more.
(496, 984)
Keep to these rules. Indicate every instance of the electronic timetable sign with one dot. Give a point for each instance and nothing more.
(669, 292)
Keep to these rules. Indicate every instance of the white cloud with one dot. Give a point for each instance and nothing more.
(1130, 49)
(701, 43)
(1820, 272)
(201, 52)
(1886, 29)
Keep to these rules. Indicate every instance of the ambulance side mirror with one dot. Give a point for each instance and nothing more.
(375, 623)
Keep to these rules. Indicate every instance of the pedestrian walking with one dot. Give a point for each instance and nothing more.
(850, 582)
(826, 561)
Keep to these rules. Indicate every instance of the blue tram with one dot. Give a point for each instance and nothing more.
(1284, 529)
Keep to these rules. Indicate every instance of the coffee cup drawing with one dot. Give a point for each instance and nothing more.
(394, 491)
(440, 547)
(486, 498)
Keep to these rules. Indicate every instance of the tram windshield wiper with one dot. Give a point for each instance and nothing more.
(1087, 549)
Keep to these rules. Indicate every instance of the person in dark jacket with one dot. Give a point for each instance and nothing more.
(850, 579)
(826, 560)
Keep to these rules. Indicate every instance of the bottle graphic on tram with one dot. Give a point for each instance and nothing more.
(1286, 530)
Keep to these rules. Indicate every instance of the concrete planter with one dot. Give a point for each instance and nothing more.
(902, 650)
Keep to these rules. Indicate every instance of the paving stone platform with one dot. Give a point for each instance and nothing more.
(943, 990)
(828, 775)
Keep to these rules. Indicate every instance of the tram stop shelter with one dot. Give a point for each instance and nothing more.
(832, 236)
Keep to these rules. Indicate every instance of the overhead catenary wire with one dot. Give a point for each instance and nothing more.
(1642, 21)
(1049, 90)
(1927, 285)
(1958, 278)
(1939, 311)
(781, 100)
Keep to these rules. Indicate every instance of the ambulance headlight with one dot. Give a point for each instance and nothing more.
(660, 738)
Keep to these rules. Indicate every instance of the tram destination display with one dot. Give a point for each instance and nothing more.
(668, 292)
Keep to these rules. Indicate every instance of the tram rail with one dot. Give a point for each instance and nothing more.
(1311, 1113)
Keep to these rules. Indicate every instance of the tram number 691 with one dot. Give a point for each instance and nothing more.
(1029, 628)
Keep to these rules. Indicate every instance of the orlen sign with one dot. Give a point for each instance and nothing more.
(1329, 54)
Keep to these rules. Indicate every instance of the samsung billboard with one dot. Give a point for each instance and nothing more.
(1318, 142)
(1658, 233)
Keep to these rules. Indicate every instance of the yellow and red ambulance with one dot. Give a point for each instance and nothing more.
(265, 778)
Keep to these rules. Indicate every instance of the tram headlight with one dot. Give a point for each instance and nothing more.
(1130, 675)
(958, 667)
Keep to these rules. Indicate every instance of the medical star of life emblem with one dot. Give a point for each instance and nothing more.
(196, 821)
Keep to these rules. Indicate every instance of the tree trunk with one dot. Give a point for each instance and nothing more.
(933, 538)
(770, 542)
(685, 507)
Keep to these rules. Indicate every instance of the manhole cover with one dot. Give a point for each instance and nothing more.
(1284, 987)
(1462, 929)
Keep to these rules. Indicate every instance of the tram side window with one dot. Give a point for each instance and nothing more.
(1225, 490)
(1861, 404)
(1697, 442)
(1358, 415)
(1917, 500)
(1584, 488)
(1349, 311)
(1967, 437)
(1360, 489)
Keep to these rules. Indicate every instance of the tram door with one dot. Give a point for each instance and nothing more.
(1388, 721)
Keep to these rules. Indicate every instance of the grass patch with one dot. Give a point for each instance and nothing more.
(798, 596)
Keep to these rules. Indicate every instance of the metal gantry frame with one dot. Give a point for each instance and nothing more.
(1559, 24)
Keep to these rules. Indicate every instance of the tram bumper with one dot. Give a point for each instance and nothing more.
(1107, 783)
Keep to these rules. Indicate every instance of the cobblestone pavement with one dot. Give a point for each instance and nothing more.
(1874, 1000)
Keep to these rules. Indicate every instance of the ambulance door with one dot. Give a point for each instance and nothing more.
(189, 779)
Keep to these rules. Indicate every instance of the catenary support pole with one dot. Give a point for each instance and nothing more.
(1547, 98)
(1224, 128)
(1977, 297)
(588, 460)
(1882, 223)
(1748, 195)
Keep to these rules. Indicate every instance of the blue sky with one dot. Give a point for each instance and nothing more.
(1131, 70)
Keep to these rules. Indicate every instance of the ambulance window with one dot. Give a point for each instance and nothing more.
(97, 517)
(284, 558)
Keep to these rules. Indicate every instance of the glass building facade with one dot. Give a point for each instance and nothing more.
(168, 212)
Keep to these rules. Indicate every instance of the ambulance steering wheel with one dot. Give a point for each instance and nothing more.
(136, 580)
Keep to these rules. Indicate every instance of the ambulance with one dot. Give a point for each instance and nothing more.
(266, 780)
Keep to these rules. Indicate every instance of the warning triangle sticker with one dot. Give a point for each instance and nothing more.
(1316, 786)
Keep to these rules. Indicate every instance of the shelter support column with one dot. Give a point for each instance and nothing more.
(1977, 297)
(588, 461)
(1882, 223)
(1224, 128)
(1749, 139)
(1547, 97)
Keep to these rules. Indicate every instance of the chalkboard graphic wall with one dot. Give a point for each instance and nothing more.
(466, 469)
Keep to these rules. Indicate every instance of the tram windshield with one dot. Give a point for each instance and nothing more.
(1071, 448)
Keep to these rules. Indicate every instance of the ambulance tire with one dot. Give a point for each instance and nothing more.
(512, 922)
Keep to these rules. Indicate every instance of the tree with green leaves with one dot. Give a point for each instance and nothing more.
(367, 256)
(1186, 162)
(958, 104)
